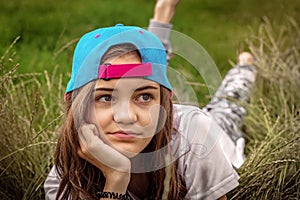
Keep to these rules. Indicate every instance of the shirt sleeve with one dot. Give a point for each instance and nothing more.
(162, 31)
(206, 170)
(51, 184)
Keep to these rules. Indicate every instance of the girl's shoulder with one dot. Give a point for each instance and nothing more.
(187, 115)
(197, 129)
(187, 108)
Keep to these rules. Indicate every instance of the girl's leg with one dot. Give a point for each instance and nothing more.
(228, 104)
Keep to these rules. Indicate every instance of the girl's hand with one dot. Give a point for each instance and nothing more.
(114, 165)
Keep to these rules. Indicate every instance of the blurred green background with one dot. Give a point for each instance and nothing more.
(45, 26)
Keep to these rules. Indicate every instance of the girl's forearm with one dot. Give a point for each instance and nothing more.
(164, 10)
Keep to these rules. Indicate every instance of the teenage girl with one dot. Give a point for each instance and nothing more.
(123, 137)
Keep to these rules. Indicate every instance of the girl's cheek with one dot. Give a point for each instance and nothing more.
(160, 117)
(154, 112)
(93, 114)
(153, 119)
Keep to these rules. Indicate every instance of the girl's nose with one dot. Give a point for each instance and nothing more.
(124, 113)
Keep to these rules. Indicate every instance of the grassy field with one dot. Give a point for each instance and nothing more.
(45, 27)
(34, 70)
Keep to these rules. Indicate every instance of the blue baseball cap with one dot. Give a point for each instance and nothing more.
(93, 45)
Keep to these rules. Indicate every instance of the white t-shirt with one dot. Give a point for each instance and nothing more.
(202, 163)
(206, 168)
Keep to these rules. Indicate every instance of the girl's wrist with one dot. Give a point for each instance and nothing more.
(117, 182)
(113, 195)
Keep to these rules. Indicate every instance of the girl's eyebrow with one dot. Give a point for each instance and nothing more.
(116, 90)
(105, 89)
(146, 87)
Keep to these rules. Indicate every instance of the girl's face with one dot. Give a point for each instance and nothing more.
(126, 110)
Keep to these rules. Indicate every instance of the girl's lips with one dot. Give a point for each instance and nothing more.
(124, 135)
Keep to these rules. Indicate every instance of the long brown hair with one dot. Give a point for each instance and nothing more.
(79, 178)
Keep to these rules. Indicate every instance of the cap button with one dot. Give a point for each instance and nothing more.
(119, 24)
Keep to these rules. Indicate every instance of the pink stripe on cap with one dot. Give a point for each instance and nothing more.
(107, 71)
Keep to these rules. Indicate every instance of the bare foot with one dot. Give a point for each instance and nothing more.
(245, 58)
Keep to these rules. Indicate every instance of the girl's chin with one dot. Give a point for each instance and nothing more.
(126, 152)
(129, 154)
(129, 150)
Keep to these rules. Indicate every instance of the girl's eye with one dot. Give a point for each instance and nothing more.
(105, 98)
(144, 98)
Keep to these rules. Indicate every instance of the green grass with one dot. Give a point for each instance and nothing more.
(30, 115)
(272, 128)
(45, 26)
